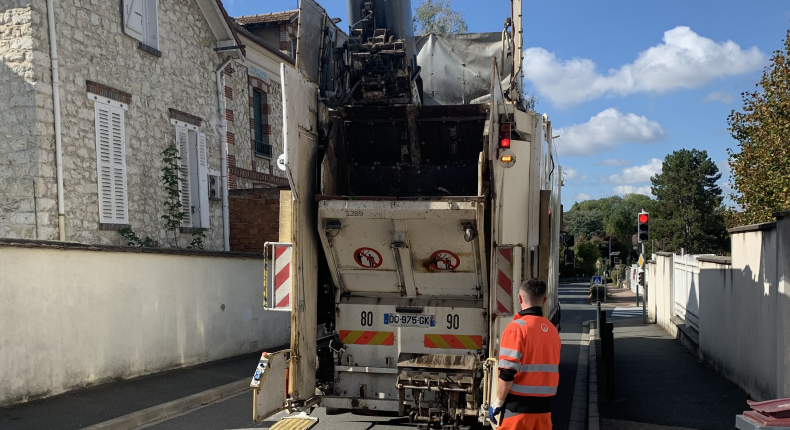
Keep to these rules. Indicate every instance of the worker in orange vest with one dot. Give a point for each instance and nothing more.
(529, 358)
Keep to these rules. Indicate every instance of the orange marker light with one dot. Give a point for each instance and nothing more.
(507, 158)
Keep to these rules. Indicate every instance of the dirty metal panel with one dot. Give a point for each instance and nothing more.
(341, 402)
(363, 316)
(358, 237)
(443, 262)
(437, 361)
(311, 23)
(456, 68)
(270, 396)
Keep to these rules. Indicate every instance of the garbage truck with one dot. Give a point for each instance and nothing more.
(423, 189)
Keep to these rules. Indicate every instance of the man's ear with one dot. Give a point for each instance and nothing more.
(520, 300)
(544, 300)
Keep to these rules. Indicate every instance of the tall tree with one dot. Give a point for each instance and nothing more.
(438, 17)
(761, 170)
(688, 212)
(584, 223)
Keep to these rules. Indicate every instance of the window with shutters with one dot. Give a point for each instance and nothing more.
(194, 184)
(260, 114)
(111, 162)
(141, 21)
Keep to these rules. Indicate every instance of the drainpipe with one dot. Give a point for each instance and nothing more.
(53, 53)
(223, 148)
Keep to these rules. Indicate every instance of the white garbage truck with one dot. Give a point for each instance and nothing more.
(423, 191)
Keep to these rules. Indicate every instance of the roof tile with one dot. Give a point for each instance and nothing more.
(267, 17)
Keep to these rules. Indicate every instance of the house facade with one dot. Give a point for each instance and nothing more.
(133, 78)
(254, 99)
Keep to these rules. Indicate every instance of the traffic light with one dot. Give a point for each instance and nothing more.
(642, 278)
(643, 230)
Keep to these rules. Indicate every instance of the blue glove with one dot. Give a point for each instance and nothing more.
(494, 414)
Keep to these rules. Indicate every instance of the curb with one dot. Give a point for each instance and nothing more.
(593, 419)
(164, 410)
(579, 405)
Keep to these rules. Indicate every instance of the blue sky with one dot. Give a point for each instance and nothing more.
(627, 82)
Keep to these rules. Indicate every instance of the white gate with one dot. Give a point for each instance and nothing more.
(685, 282)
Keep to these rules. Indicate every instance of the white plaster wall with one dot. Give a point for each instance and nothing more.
(69, 318)
(738, 314)
(659, 279)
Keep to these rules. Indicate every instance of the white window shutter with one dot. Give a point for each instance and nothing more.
(203, 180)
(111, 164)
(134, 18)
(117, 131)
(151, 23)
(182, 143)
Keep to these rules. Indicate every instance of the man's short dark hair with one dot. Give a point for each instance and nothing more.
(533, 288)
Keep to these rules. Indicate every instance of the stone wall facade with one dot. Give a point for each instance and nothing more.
(28, 191)
(92, 46)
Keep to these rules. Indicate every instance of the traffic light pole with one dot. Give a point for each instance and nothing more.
(644, 288)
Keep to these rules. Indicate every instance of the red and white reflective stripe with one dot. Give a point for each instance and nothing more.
(282, 276)
(504, 280)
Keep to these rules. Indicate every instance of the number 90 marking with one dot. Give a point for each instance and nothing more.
(453, 321)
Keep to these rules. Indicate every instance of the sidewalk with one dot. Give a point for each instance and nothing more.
(660, 385)
(94, 405)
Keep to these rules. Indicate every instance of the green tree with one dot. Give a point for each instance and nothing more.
(584, 223)
(621, 221)
(761, 170)
(587, 254)
(438, 17)
(688, 212)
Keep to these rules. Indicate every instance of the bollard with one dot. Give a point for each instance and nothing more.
(598, 322)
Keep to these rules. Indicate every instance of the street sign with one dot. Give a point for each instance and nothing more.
(597, 264)
(597, 280)
(641, 260)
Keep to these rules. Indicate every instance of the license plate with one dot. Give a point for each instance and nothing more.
(400, 320)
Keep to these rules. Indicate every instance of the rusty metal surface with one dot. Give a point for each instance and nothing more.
(437, 361)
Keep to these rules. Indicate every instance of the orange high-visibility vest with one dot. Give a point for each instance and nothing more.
(531, 346)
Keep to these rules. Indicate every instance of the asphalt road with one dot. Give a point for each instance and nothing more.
(236, 412)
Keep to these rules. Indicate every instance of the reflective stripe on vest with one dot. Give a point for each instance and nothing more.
(533, 389)
(507, 364)
(510, 353)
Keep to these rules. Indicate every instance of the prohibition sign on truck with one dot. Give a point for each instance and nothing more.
(444, 260)
(368, 258)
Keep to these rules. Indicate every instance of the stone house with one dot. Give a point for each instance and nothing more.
(91, 93)
(254, 100)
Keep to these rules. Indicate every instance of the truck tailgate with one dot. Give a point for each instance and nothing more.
(404, 248)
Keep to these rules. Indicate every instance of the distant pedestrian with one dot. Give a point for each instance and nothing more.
(529, 358)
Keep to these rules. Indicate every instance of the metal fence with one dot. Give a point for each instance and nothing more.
(685, 282)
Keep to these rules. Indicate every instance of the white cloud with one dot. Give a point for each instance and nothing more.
(612, 162)
(606, 131)
(684, 60)
(718, 96)
(570, 172)
(636, 174)
(630, 189)
(580, 197)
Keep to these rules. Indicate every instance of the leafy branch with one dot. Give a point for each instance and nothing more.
(171, 174)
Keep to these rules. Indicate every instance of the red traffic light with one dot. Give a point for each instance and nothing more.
(642, 217)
